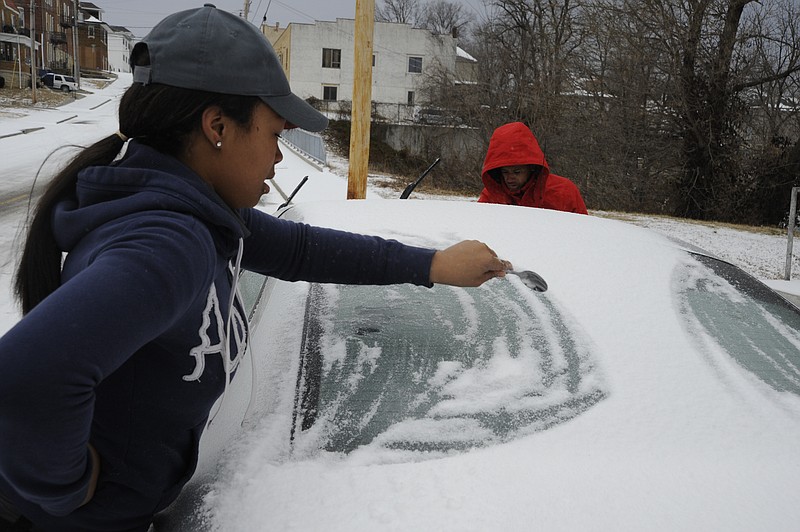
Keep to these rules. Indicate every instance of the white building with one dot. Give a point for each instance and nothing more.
(120, 44)
(318, 59)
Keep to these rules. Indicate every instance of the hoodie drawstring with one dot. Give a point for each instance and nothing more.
(226, 344)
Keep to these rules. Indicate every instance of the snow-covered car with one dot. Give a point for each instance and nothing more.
(651, 387)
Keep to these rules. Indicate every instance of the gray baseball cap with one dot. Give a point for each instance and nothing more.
(212, 50)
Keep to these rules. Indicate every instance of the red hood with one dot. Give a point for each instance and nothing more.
(514, 144)
(510, 145)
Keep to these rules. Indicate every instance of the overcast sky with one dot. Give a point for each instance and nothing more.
(142, 15)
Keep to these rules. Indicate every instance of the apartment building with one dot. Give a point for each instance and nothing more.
(57, 27)
(120, 44)
(15, 45)
(318, 59)
(92, 38)
(52, 23)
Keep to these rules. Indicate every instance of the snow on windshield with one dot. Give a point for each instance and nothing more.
(414, 373)
(731, 315)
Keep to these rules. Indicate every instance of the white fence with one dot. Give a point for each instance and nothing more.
(308, 143)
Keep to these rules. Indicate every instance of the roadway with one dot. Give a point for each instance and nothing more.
(39, 141)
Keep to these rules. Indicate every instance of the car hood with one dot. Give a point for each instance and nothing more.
(684, 438)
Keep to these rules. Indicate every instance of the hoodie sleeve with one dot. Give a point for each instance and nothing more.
(580, 206)
(563, 195)
(52, 360)
(294, 251)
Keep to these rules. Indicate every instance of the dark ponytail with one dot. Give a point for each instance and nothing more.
(160, 116)
(39, 271)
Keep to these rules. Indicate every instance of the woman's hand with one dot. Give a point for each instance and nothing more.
(95, 474)
(468, 263)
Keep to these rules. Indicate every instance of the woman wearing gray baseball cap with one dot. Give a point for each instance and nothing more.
(132, 327)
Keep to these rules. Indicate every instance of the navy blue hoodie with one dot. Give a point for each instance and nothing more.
(128, 353)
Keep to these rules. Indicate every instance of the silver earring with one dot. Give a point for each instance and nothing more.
(218, 144)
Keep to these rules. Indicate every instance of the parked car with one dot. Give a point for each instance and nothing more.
(651, 387)
(436, 116)
(59, 82)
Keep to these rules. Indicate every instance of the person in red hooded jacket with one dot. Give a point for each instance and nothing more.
(515, 172)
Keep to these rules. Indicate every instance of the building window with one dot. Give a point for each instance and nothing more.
(331, 58)
(415, 65)
(6, 52)
(410, 97)
(90, 31)
(329, 93)
(373, 60)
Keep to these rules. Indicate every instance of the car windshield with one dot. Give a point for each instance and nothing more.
(439, 370)
(730, 314)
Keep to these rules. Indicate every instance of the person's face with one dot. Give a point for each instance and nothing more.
(515, 177)
(249, 156)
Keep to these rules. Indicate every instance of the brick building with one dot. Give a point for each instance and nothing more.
(57, 26)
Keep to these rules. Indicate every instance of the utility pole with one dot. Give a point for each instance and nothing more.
(33, 54)
(75, 52)
(790, 235)
(246, 11)
(362, 100)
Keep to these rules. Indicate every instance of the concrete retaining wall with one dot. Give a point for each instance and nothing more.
(430, 141)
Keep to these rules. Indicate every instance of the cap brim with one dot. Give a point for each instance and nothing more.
(297, 112)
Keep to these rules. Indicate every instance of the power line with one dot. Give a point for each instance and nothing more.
(255, 12)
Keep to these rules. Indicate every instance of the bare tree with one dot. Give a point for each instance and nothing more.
(676, 86)
(620, 144)
(526, 49)
(778, 98)
(771, 128)
(719, 65)
(402, 11)
(441, 17)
